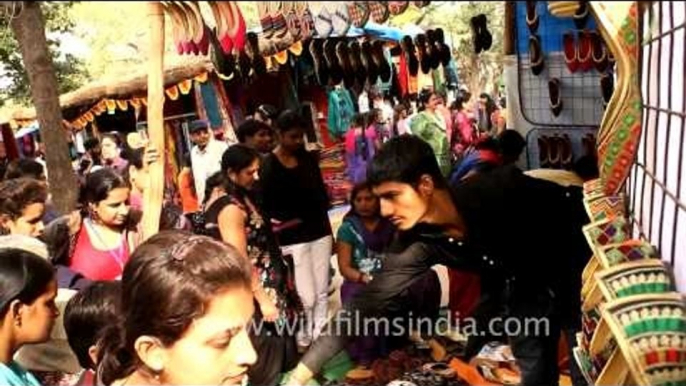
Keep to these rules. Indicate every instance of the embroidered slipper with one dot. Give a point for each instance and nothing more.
(368, 63)
(431, 51)
(607, 87)
(585, 50)
(599, 52)
(335, 70)
(532, 18)
(421, 43)
(356, 62)
(444, 55)
(306, 20)
(379, 58)
(581, 15)
(543, 152)
(359, 13)
(323, 23)
(571, 51)
(265, 19)
(237, 32)
(179, 26)
(409, 51)
(293, 20)
(341, 20)
(397, 7)
(279, 20)
(321, 70)
(379, 11)
(343, 56)
(565, 150)
(555, 97)
(253, 51)
(536, 55)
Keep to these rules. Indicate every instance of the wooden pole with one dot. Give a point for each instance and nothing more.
(152, 197)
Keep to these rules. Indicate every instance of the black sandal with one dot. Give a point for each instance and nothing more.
(555, 96)
(536, 55)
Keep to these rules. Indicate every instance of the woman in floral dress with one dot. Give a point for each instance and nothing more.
(234, 218)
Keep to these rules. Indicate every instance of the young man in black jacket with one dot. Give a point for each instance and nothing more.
(521, 234)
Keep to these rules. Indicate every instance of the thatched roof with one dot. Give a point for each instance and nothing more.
(135, 84)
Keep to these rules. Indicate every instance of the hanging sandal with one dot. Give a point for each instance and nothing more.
(397, 7)
(555, 96)
(599, 52)
(368, 63)
(323, 23)
(607, 87)
(265, 19)
(431, 50)
(421, 43)
(343, 56)
(565, 150)
(444, 54)
(571, 51)
(335, 70)
(532, 18)
(340, 20)
(379, 11)
(321, 70)
(581, 15)
(585, 50)
(359, 13)
(379, 59)
(543, 152)
(293, 20)
(536, 55)
(356, 62)
(410, 56)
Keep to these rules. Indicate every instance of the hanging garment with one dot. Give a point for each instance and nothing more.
(432, 129)
(341, 111)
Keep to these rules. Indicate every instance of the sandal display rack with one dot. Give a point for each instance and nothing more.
(580, 91)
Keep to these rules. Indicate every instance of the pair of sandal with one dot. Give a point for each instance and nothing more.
(555, 152)
(332, 19)
(481, 36)
(230, 30)
(427, 51)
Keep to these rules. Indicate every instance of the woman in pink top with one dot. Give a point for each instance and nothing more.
(101, 248)
(463, 133)
(360, 146)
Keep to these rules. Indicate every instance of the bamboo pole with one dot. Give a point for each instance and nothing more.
(152, 196)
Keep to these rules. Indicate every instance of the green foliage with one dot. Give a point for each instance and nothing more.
(68, 69)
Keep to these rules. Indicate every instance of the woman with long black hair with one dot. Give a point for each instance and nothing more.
(233, 216)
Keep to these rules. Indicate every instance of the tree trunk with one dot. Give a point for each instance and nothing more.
(29, 30)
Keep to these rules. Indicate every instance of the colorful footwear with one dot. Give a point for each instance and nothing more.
(398, 7)
(570, 51)
(359, 13)
(555, 96)
(379, 11)
(265, 19)
(536, 55)
(323, 23)
(585, 50)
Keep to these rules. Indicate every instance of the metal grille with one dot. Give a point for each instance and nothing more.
(657, 196)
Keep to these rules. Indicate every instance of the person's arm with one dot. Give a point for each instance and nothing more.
(232, 230)
(345, 263)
